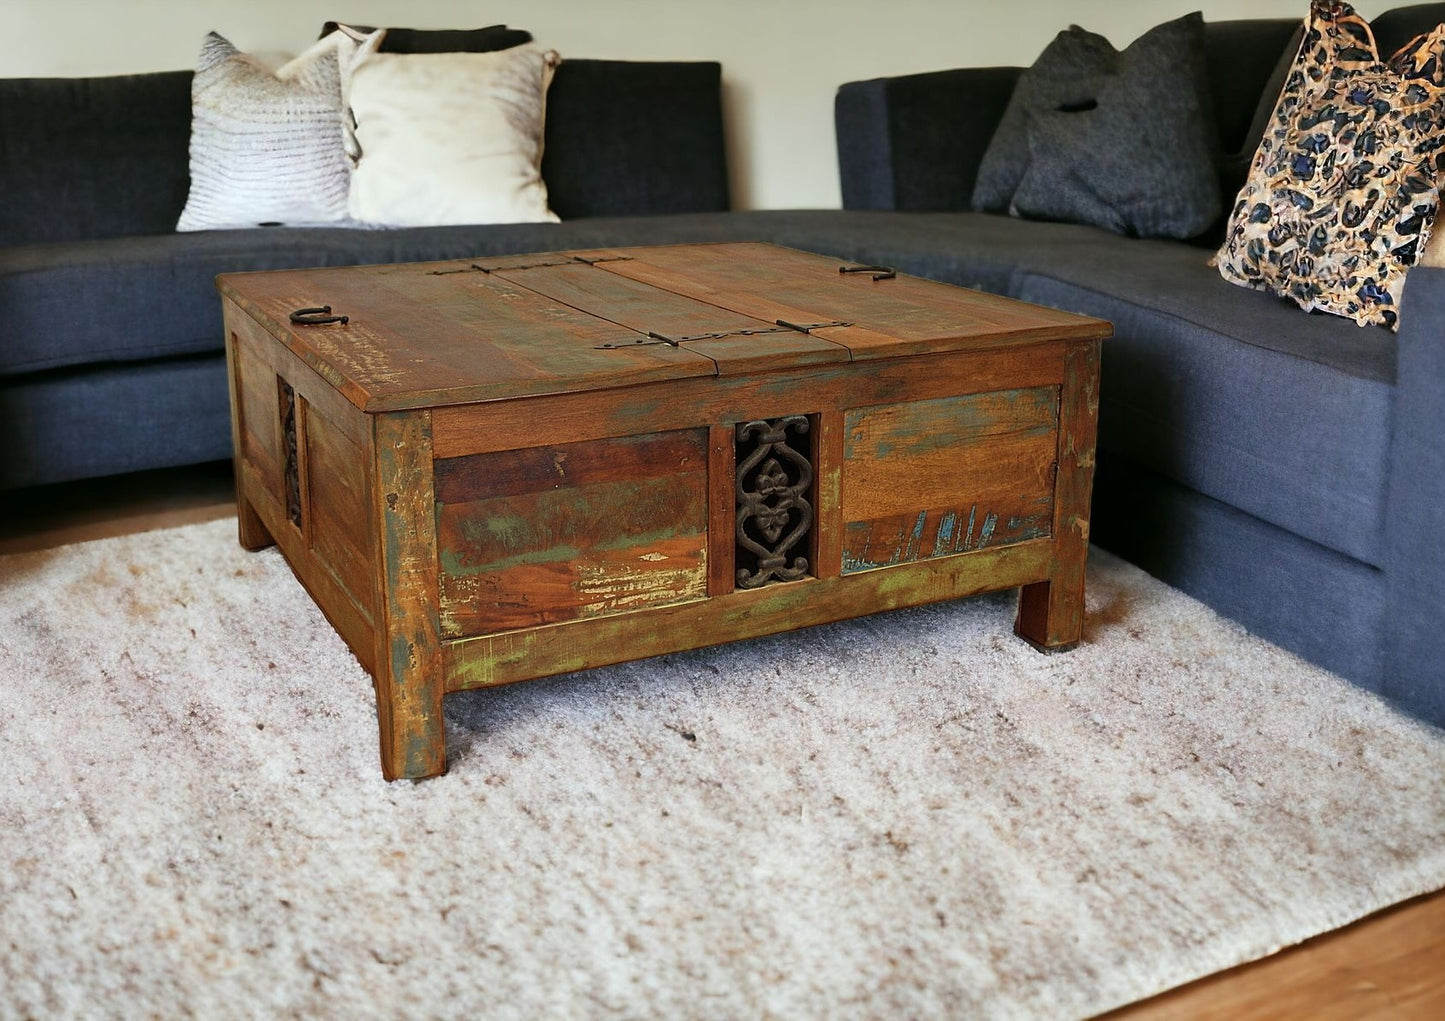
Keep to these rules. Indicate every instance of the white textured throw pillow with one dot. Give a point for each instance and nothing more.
(449, 138)
(268, 146)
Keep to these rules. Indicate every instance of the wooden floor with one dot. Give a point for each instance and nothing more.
(1388, 966)
(48, 516)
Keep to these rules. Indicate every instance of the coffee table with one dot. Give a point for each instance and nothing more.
(491, 470)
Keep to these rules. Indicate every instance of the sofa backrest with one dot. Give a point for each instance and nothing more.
(1241, 56)
(914, 142)
(93, 157)
(633, 138)
(86, 158)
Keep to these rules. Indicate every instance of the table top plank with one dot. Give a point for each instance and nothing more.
(891, 317)
(425, 335)
(736, 342)
(463, 331)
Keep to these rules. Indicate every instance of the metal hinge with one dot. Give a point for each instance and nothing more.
(573, 260)
(654, 338)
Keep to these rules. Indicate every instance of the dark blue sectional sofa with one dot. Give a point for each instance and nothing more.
(1282, 467)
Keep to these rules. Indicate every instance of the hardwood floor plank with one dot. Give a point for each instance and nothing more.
(1390, 965)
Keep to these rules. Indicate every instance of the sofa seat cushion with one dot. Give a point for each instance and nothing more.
(978, 250)
(1236, 394)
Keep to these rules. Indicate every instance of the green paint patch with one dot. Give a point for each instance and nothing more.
(920, 427)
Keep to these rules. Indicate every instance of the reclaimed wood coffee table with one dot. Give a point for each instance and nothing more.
(498, 469)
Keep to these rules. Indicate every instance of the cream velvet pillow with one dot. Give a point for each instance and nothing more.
(451, 138)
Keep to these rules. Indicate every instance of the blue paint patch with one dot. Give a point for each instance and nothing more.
(946, 524)
(968, 538)
(986, 532)
(915, 540)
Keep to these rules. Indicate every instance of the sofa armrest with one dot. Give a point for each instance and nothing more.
(1414, 658)
(914, 143)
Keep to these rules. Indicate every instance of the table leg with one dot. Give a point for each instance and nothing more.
(252, 531)
(1051, 613)
(409, 685)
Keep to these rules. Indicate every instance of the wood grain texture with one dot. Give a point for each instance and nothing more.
(1387, 967)
(943, 532)
(425, 334)
(899, 316)
(576, 645)
(436, 334)
(747, 344)
(250, 529)
(350, 621)
(904, 457)
(722, 510)
(349, 607)
(658, 407)
(337, 499)
(1051, 613)
(548, 534)
(408, 672)
(828, 442)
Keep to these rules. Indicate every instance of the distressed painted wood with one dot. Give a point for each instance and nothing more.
(940, 477)
(409, 683)
(628, 411)
(913, 455)
(251, 530)
(1051, 613)
(257, 364)
(722, 510)
(546, 534)
(888, 318)
(513, 467)
(828, 456)
(928, 533)
(578, 645)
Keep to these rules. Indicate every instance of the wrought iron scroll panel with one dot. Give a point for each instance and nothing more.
(292, 458)
(774, 480)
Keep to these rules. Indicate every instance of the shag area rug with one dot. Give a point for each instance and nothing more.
(910, 815)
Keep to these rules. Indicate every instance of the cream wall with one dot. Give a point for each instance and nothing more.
(782, 59)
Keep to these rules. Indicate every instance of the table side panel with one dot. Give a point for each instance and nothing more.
(331, 547)
(577, 645)
(939, 477)
(633, 410)
(543, 534)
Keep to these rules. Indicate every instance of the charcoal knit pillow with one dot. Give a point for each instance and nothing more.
(1123, 141)
(443, 40)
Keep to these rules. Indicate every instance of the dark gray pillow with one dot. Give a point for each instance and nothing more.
(1123, 141)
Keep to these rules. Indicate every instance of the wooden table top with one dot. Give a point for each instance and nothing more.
(441, 333)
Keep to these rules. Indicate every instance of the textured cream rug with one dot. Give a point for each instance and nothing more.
(912, 815)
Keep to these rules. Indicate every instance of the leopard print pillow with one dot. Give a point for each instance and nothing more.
(1342, 193)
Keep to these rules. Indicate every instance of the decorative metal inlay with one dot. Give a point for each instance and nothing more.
(774, 515)
(288, 440)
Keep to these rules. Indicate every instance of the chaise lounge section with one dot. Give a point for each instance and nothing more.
(1283, 467)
